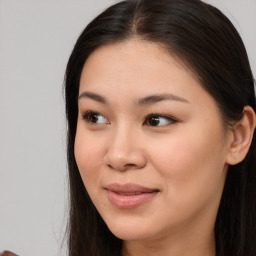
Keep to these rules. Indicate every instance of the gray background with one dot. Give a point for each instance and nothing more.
(36, 38)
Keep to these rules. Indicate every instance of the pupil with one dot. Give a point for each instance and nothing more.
(154, 121)
(93, 118)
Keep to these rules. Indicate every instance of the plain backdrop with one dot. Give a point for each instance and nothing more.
(36, 38)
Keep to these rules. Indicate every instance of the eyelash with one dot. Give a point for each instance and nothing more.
(169, 119)
(88, 115)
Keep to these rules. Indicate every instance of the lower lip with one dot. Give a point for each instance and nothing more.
(130, 201)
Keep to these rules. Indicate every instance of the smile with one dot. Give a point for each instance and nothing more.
(129, 195)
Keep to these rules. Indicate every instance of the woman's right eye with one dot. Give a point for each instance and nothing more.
(95, 118)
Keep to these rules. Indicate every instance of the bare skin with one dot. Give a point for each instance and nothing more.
(8, 253)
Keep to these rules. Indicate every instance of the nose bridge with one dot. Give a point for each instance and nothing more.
(119, 137)
(124, 150)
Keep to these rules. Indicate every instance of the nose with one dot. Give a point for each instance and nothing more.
(125, 150)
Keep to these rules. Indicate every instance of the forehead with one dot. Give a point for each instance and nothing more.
(137, 67)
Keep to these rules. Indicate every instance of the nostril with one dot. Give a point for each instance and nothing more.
(123, 167)
(117, 158)
(130, 165)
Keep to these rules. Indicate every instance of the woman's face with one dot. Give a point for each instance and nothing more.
(150, 145)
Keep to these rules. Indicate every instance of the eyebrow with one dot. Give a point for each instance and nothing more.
(93, 96)
(151, 99)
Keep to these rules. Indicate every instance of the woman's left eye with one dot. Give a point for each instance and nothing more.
(158, 120)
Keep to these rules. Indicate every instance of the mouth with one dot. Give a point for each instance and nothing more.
(129, 195)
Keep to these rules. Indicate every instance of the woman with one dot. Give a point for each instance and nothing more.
(161, 107)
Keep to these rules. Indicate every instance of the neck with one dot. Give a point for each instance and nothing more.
(175, 245)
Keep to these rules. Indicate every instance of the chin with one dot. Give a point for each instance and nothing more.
(130, 235)
(130, 232)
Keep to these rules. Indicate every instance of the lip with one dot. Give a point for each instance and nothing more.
(129, 195)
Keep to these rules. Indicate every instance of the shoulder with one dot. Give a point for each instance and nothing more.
(7, 253)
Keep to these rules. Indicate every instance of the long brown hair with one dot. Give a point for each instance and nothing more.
(206, 41)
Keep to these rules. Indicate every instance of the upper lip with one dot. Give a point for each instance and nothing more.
(129, 188)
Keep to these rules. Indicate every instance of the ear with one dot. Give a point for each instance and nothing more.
(241, 137)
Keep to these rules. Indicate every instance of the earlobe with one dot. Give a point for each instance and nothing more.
(241, 138)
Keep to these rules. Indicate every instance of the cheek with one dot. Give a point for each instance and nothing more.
(190, 163)
(89, 156)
